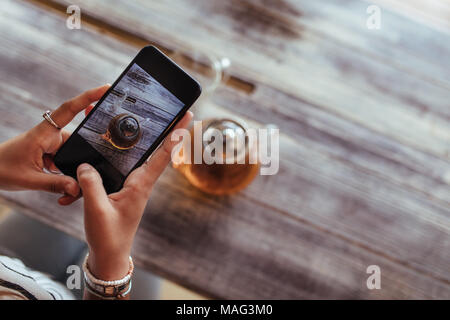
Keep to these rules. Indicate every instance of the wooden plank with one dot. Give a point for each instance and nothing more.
(323, 54)
(435, 13)
(343, 140)
(234, 247)
(308, 265)
(185, 238)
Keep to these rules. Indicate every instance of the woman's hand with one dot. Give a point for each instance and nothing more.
(111, 220)
(24, 158)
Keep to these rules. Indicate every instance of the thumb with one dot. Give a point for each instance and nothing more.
(91, 185)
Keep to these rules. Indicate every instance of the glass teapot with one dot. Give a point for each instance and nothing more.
(239, 163)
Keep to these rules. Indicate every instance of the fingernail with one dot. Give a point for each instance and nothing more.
(191, 113)
(84, 167)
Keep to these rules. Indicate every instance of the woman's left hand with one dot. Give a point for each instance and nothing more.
(24, 158)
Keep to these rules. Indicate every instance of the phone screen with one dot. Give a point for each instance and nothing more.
(131, 119)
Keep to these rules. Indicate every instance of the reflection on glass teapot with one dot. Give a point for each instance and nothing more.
(239, 158)
(123, 132)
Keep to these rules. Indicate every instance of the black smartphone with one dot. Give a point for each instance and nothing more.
(130, 121)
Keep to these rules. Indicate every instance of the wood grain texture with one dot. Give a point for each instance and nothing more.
(329, 56)
(435, 13)
(347, 195)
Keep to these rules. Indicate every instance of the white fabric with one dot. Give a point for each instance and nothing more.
(19, 282)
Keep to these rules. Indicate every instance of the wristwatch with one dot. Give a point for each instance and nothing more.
(108, 291)
(112, 289)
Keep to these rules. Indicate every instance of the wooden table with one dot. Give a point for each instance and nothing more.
(364, 116)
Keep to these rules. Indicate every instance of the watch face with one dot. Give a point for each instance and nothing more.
(110, 290)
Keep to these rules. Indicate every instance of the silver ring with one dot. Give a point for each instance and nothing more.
(48, 116)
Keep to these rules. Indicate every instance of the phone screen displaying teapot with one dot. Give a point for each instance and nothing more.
(129, 120)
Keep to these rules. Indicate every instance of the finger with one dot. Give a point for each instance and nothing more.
(49, 164)
(65, 135)
(94, 193)
(67, 200)
(88, 109)
(147, 174)
(48, 157)
(68, 110)
(56, 183)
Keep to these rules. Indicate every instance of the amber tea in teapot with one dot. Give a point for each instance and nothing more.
(239, 164)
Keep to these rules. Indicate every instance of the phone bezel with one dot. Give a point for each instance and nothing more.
(169, 75)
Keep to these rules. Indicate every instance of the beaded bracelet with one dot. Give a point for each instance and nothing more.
(108, 297)
(94, 280)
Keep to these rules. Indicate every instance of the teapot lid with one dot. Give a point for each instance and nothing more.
(234, 138)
